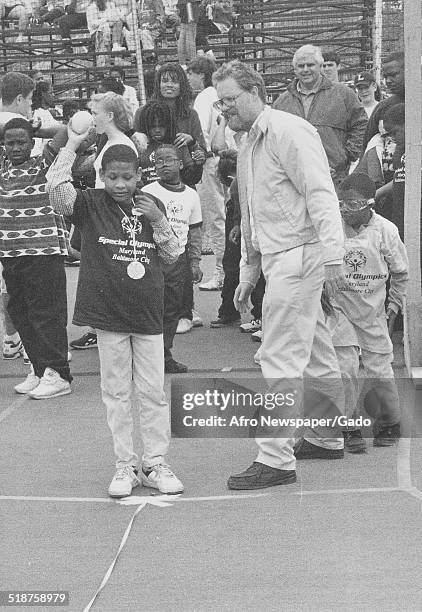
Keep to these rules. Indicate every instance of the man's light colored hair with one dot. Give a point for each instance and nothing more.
(245, 76)
(309, 50)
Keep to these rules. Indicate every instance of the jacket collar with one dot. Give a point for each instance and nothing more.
(324, 84)
(260, 124)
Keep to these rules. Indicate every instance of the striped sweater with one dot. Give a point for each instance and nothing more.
(28, 224)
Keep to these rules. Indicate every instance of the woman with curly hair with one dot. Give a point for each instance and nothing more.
(112, 117)
(171, 86)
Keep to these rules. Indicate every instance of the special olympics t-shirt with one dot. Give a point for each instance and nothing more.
(107, 297)
(183, 208)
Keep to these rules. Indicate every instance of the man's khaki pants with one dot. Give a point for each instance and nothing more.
(297, 344)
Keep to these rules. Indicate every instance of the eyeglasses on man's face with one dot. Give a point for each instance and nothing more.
(227, 102)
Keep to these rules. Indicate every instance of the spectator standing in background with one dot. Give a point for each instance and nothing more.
(331, 66)
(332, 108)
(367, 90)
(393, 73)
(210, 189)
(129, 93)
(42, 101)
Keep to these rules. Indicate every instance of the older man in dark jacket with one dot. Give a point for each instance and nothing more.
(332, 108)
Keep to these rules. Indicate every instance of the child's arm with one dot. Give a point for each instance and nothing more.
(194, 245)
(384, 191)
(61, 191)
(395, 255)
(162, 233)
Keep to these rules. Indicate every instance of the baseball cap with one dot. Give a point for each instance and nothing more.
(364, 77)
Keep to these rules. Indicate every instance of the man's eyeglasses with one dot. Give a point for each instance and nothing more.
(227, 102)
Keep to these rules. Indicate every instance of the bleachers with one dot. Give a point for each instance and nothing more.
(264, 33)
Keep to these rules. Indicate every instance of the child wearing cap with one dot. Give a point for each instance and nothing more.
(367, 91)
(374, 254)
(120, 293)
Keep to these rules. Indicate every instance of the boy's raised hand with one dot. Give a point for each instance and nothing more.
(74, 140)
(146, 206)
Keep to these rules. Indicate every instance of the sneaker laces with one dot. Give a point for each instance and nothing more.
(162, 468)
(125, 471)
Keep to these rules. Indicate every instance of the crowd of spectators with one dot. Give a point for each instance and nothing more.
(196, 144)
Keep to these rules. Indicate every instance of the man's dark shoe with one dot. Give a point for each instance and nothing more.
(387, 436)
(224, 322)
(305, 450)
(353, 441)
(260, 476)
(174, 367)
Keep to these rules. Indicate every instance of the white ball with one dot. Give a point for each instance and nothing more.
(81, 122)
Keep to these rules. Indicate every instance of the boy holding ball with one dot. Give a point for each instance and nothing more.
(120, 294)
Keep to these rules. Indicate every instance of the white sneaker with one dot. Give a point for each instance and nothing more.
(257, 336)
(214, 284)
(184, 326)
(249, 328)
(162, 478)
(12, 350)
(257, 357)
(30, 383)
(51, 385)
(124, 480)
(116, 47)
(196, 319)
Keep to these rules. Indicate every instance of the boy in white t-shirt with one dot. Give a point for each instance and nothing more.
(184, 214)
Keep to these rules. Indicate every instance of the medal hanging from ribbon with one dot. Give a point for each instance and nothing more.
(135, 268)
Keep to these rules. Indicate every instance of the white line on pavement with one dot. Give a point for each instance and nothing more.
(102, 500)
(13, 406)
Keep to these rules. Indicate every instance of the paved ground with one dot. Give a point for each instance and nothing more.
(346, 536)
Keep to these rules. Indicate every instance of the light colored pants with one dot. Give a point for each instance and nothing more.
(296, 343)
(348, 361)
(383, 402)
(212, 195)
(137, 359)
(377, 387)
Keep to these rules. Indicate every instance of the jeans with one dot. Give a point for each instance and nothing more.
(174, 278)
(69, 22)
(38, 308)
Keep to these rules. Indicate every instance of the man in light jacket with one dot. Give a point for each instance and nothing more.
(291, 228)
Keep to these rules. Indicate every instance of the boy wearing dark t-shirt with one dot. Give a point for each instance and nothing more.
(120, 294)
